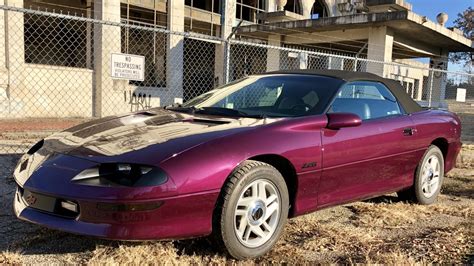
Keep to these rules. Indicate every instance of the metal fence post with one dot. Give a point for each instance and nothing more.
(226, 60)
(430, 94)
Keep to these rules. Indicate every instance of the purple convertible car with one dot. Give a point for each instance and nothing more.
(237, 161)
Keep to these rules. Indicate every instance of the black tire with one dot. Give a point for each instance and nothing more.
(416, 192)
(224, 217)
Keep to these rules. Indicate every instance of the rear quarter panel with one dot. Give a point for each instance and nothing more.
(435, 124)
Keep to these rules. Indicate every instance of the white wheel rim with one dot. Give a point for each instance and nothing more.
(430, 176)
(257, 213)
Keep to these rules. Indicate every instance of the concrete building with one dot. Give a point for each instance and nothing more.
(52, 66)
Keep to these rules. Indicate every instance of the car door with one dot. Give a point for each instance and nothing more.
(373, 158)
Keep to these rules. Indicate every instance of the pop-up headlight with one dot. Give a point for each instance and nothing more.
(35, 147)
(122, 174)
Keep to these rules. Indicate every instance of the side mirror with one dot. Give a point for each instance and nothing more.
(340, 120)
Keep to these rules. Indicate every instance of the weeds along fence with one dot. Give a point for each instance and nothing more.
(58, 65)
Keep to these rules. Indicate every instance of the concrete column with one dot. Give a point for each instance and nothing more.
(106, 41)
(13, 93)
(438, 80)
(3, 62)
(89, 35)
(271, 6)
(380, 49)
(335, 63)
(303, 59)
(280, 5)
(3, 65)
(332, 8)
(307, 5)
(273, 55)
(221, 64)
(175, 52)
(3, 58)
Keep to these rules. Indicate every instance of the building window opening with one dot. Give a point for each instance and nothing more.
(145, 41)
(55, 41)
(203, 17)
(208, 5)
(294, 6)
(248, 9)
(319, 10)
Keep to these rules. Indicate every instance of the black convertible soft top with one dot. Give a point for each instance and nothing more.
(408, 104)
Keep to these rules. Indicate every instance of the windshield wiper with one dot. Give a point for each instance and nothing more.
(182, 109)
(212, 111)
(226, 112)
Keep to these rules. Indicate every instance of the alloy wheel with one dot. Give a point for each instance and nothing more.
(257, 213)
(431, 171)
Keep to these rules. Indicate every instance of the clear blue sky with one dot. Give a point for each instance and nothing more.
(431, 8)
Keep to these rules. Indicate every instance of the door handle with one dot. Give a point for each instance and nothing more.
(408, 131)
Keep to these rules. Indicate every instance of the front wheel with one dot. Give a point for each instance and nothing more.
(429, 177)
(252, 211)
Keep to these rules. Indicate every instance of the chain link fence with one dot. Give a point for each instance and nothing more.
(59, 66)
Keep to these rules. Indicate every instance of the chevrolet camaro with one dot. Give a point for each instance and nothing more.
(238, 161)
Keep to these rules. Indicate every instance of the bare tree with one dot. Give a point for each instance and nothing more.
(465, 22)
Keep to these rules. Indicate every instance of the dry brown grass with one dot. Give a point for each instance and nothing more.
(306, 240)
(400, 214)
(146, 254)
(466, 157)
(395, 257)
(9, 257)
(445, 245)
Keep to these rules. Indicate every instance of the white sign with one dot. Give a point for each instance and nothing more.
(178, 100)
(292, 55)
(127, 66)
(461, 95)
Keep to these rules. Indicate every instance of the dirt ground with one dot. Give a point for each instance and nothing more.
(381, 230)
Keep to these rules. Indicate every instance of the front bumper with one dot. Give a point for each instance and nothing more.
(177, 217)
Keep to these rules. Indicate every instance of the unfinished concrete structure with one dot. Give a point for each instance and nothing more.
(37, 72)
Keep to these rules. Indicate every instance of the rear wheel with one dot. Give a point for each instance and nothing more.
(252, 211)
(428, 178)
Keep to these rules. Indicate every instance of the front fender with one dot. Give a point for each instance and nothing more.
(207, 166)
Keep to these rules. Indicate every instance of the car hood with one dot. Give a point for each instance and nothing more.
(147, 137)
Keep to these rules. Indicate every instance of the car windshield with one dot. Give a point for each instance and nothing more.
(267, 96)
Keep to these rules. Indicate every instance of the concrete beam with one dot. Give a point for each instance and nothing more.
(411, 48)
(386, 5)
(202, 15)
(327, 36)
(435, 28)
(148, 4)
(403, 22)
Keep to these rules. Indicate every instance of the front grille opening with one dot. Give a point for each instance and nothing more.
(23, 165)
(51, 205)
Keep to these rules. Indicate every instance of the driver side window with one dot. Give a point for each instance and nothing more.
(369, 100)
